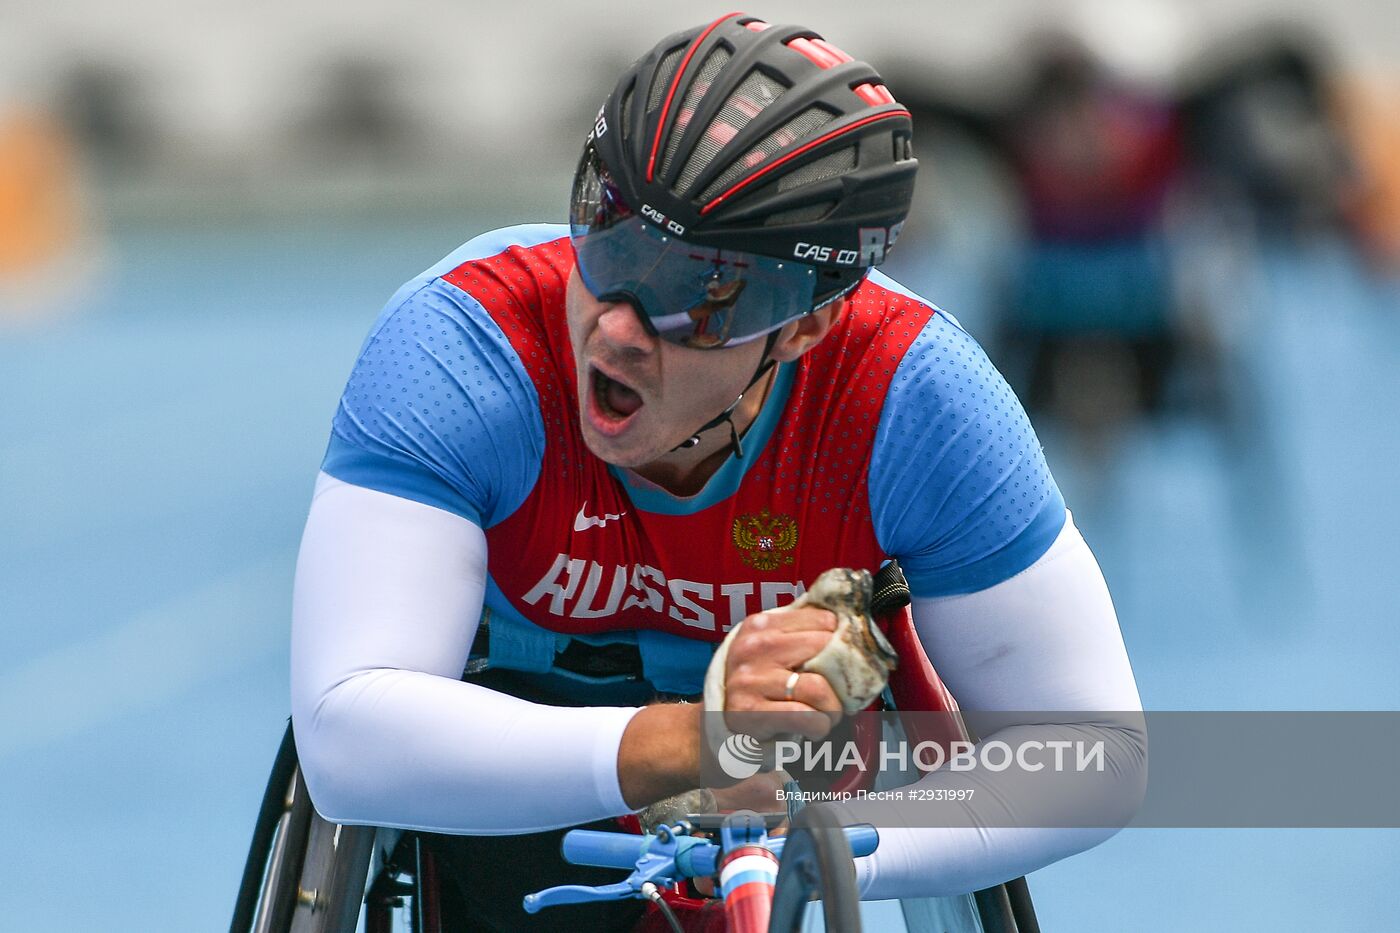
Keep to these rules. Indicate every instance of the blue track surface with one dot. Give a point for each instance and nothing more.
(156, 459)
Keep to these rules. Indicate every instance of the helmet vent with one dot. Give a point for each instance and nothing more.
(752, 95)
(627, 114)
(664, 72)
(828, 166)
(709, 70)
(799, 215)
(805, 123)
(903, 148)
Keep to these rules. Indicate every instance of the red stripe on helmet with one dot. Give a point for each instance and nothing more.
(742, 183)
(819, 52)
(757, 25)
(675, 82)
(825, 55)
(874, 94)
(814, 53)
(831, 49)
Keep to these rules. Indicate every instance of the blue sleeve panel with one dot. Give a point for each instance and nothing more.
(438, 408)
(959, 489)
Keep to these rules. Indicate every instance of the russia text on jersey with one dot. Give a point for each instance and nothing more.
(575, 589)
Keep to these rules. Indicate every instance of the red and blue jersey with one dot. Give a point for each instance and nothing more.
(893, 437)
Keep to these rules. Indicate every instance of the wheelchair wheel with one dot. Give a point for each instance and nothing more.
(816, 863)
(267, 894)
(303, 874)
(331, 890)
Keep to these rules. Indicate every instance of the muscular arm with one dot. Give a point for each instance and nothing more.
(387, 600)
(1046, 639)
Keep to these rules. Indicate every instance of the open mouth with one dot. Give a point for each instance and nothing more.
(614, 401)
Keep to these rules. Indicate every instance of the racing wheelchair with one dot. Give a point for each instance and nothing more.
(307, 875)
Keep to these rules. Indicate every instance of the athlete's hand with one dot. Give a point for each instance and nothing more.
(765, 652)
(760, 793)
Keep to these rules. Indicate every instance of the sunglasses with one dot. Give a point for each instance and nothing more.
(694, 296)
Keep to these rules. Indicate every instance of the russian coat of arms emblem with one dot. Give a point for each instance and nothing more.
(765, 539)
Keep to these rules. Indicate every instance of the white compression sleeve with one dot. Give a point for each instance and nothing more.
(387, 600)
(1044, 640)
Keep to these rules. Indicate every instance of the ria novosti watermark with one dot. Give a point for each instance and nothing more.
(1086, 768)
(742, 755)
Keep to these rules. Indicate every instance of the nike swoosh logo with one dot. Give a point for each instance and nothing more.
(583, 521)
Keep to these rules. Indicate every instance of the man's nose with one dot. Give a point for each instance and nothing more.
(621, 326)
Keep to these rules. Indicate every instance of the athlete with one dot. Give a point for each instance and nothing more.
(545, 502)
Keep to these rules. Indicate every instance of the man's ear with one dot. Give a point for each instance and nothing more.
(799, 336)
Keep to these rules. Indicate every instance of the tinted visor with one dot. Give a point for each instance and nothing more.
(696, 296)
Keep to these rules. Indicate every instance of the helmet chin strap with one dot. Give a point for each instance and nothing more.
(727, 416)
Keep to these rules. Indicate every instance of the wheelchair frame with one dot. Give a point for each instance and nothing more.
(307, 875)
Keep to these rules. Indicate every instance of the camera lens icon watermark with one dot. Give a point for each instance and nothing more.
(741, 756)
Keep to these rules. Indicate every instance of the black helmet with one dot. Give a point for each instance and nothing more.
(746, 136)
